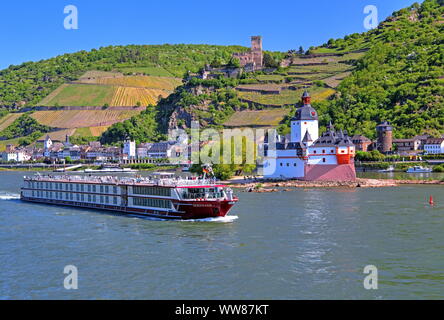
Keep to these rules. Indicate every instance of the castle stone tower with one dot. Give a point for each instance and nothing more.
(256, 50)
(385, 137)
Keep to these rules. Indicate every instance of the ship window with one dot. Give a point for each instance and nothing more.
(115, 200)
(66, 187)
(106, 199)
(94, 198)
(82, 187)
(114, 190)
(106, 189)
(89, 198)
(101, 189)
(147, 202)
(101, 199)
(78, 197)
(153, 191)
(71, 186)
(82, 197)
(66, 196)
(71, 196)
(94, 189)
(89, 188)
(77, 187)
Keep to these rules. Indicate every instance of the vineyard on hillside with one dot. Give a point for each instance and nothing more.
(82, 118)
(8, 119)
(80, 95)
(98, 88)
(128, 96)
(164, 83)
(255, 118)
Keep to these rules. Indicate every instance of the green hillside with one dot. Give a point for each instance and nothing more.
(400, 78)
(30, 82)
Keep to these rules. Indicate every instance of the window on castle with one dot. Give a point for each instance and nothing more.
(288, 164)
(294, 164)
(323, 151)
(314, 151)
(323, 160)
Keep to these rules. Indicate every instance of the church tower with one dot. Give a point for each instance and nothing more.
(305, 123)
(48, 143)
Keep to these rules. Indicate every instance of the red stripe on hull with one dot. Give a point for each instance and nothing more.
(185, 209)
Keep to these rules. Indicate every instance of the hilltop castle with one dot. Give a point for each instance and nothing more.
(306, 156)
(252, 60)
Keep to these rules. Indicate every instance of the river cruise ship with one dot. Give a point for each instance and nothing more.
(165, 197)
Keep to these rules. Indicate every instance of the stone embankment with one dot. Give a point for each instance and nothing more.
(279, 186)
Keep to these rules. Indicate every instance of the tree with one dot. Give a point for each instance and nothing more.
(269, 61)
(301, 50)
(234, 62)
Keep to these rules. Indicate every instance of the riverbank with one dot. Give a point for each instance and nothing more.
(277, 186)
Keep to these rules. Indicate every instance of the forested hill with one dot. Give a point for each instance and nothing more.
(400, 79)
(30, 82)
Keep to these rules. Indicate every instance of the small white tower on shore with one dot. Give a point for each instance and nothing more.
(129, 148)
(47, 144)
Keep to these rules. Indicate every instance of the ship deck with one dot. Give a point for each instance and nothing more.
(128, 181)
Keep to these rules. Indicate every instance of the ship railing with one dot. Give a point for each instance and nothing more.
(168, 182)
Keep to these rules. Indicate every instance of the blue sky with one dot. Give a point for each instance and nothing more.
(33, 30)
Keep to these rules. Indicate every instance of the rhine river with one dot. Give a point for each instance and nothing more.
(302, 244)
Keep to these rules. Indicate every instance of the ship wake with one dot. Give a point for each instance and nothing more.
(9, 196)
(226, 219)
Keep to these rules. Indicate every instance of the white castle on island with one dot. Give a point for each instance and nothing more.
(306, 156)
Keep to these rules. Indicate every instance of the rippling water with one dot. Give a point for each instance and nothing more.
(303, 244)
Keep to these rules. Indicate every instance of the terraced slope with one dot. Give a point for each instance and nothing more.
(7, 120)
(99, 88)
(71, 119)
(257, 118)
(81, 95)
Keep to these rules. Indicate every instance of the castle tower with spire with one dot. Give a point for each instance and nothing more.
(305, 121)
